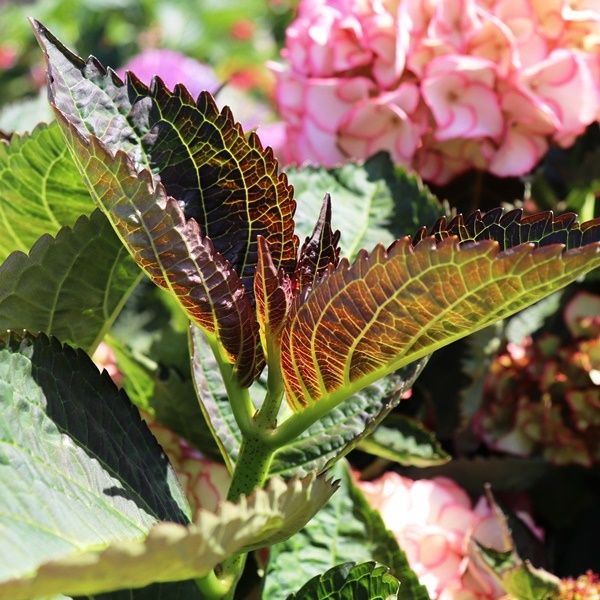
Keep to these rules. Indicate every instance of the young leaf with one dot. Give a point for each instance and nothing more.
(224, 180)
(368, 581)
(342, 428)
(54, 290)
(375, 202)
(319, 250)
(172, 250)
(406, 442)
(41, 189)
(273, 293)
(391, 307)
(173, 552)
(346, 529)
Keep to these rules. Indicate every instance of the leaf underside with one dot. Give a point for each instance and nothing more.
(174, 552)
(53, 289)
(392, 306)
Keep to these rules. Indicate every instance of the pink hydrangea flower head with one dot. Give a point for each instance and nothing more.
(435, 523)
(494, 80)
(173, 68)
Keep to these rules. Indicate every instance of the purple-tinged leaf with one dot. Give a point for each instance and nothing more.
(273, 293)
(512, 228)
(226, 181)
(319, 250)
(391, 307)
(171, 250)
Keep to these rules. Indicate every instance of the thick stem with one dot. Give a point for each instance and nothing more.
(251, 468)
(251, 471)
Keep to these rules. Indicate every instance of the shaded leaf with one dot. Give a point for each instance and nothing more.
(511, 228)
(319, 250)
(54, 290)
(405, 441)
(342, 428)
(345, 529)
(172, 552)
(391, 307)
(213, 399)
(520, 578)
(74, 454)
(367, 581)
(164, 396)
(373, 203)
(41, 189)
(223, 179)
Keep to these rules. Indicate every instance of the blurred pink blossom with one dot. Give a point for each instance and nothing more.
(436, 525)
(502, 74)
(173, 68)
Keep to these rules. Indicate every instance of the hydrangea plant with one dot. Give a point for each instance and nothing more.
(296, 352)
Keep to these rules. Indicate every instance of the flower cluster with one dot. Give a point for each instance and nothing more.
(442, 86)
(542, 397)
(585, 587)
(435, 524)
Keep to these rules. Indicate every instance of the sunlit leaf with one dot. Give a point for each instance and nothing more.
(173, 552)
(53, 289)
(74, 454)
(391, 307)
(368, 581)
(223, 179)
(273, 293)
(171, 250)
(41, 189)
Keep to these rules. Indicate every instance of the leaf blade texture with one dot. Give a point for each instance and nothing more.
(393, 306)
(41, 189)
(224, 180)
(346, 529)
(53, 289)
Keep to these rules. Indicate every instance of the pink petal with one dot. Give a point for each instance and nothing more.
(519, 152)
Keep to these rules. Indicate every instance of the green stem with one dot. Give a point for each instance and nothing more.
(211, 587)
(239, 397)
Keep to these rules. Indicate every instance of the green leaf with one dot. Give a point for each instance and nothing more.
(164, 395)
(41, 189)
(520, 578)
(342, 428)
(372, 203)
(405, 441)
(74, 454)
(213, 399)
(72, 286)
(346, 529)
(367, 581)
(391, 307)
(173, 552)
